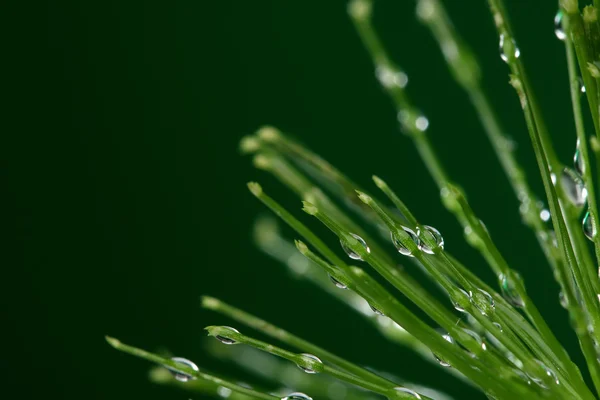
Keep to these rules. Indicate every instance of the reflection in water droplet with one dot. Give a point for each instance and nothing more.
(429, 233)
(459, 304)
(405, 251)
(351, 253)
(558, 29)
(296, 396)
(408, 391)
(224, 339)
(589, 227)
(312, 361)
(442, 362)
(581, 85)
(548, 372)
(484, 302)
(515, 49)
(509, 292)
(179, 375)
(578, 159)
(545, 215)
(337, 283)
(574, 187)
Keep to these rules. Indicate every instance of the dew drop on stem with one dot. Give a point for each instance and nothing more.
(578, 161)
(573, 187)
(430, 239)
(509, 290)
(484, 302)
(337, 283)
(558, 28)
(351, 253)
(226, 340)
(442, 362)
(408, 392)
(589, 227)
(402, 249)
(508, 47)
(311, 362)
(180, 375)
(296, 396)
(224, 392)
(376, 310)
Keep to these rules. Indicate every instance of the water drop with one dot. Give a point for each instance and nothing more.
(179, 375)
(337, 283)
(563, 300)
(558, 29)
(411, 120)
(589, 227)
(578, 159)
(545, 215)
(297, 396)
(442, 362)
(431, 234)
(459, 304)
(548, 372)
(509, 290)
(512, 47)
(581, 85)
(422, 123)
(405, 251)
(376, 310)
(225, 339)
(312, 361)
(351, 253)
(224, 392)
(497, 325)
(484, 302)
(574, 187)
(408, 391)
(389, 77)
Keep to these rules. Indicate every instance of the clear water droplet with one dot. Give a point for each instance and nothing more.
(581, 85)
(429, 233)
(297, 396)
(564, 302)
(225, 339)
(574, 187)
(459, 305)
(497, 325)
(411, 120)
(484, 302)
(408, 391)
(545, 215)
(376, 310)
(312, 361)
(558, 29)
(390, 78)
(224, 392)
(548, 372)
(405, 251)
(351, 253)
(442, 362)
(337, 283)
(578, 159)
(515, 49)
(509, 291)
(179, 375)
(589, 227)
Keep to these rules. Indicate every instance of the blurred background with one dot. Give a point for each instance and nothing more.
(125, 196)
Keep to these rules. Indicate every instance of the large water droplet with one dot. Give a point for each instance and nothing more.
(515, 49)
(442, 362)
(558, 29)
(589, 227)
(405, 251)
(179, 375)
(297, 396)
(548, 372)
(408, 391)
(429, 233)
(484, 302)
(574, 187)
(337, 283)
(224, 339)
(312, 362)
(351, 253)
(461, 303)
(578, 159)
(509, 291)
(389, 77)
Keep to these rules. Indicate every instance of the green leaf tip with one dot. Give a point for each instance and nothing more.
(116, 343)
(309, 208)
(261, 161)
(249, 144)
(209, 302)
(360, 10)
(365, 198)
(255, 188)
(302, 248)
(268, 133)
(379, 182)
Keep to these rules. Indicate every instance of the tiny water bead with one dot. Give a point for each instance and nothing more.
(484, 302)
(507, 48)
(589, 227)
(412, 121)
(581, 85)
(558, 28)
(442, 362)
(509, 291)
(179, 375)
(547, 372)
(351, 253)
(226, 340)
(562, 299)
(578, 159)
(337, 283)
(376, 310)
(390, 78)
(297, 396)
(429, 234)
(545, 215)
(408, 391)
(402, 249)
(311, 363)
(573, 187)
(224, 392)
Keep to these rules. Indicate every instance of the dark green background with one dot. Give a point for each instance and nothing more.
(125, 195)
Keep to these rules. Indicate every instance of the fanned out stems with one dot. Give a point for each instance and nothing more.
(376, 295)
(167, 363)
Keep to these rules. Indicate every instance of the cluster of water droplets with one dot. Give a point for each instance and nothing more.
(180, 375)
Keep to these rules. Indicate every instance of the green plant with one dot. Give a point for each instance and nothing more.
(502, 345)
